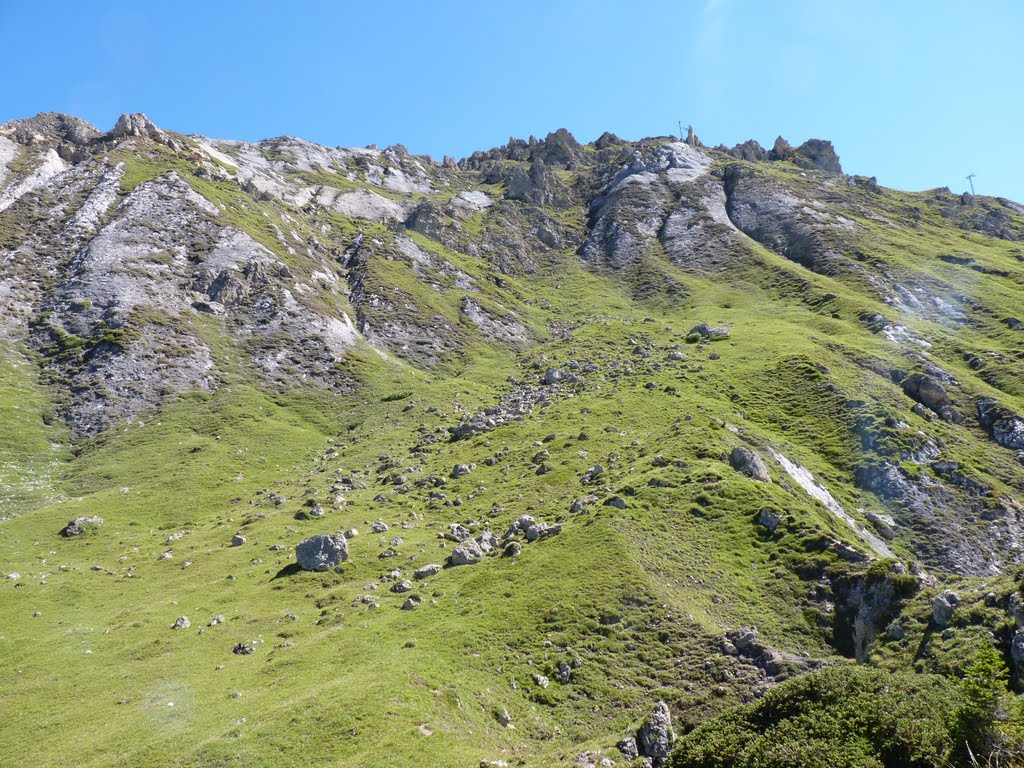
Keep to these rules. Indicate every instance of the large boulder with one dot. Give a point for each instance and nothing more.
(926, 390)
(320, 553)
(749, 150)
(559, 149)
(656, 737)
(746, 462)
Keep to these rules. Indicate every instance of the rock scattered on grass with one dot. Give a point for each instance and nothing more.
(426, 571)
(768, 519)
(466, 553)
(942, 608)
(628, 749)
(80, 525)
(322, 552)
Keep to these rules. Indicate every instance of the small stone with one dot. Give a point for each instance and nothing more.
(182, 623)
(237, 540)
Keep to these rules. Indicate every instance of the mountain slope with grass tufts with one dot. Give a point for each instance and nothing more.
(729, 388)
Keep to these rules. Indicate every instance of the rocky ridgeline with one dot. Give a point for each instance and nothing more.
(137, 266)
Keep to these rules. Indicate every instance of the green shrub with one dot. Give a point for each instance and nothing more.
(975, 721)
(837, 717)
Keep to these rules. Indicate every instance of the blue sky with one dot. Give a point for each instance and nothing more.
(916, 93)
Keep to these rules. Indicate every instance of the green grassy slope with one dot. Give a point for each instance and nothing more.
(635, 597)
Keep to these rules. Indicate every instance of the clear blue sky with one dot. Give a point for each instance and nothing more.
(918, 93)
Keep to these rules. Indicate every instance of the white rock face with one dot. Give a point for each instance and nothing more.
(236, 249)
(340, 334)
(208, 147)
(473, 200)
(105, 194)
(8, 151)
(398, 180)
(501, 328)
(806, 481)
(51, 166)
(364, 204)
(678, 161)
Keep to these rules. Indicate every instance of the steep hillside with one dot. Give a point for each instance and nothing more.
(732, 388)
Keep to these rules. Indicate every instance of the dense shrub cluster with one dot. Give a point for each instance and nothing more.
(860, 717)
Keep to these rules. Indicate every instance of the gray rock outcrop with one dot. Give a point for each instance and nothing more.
(943, 606)
(1004, 426)
(655, 738)
(747, 462)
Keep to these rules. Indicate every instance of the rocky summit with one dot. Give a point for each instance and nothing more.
(561, 454)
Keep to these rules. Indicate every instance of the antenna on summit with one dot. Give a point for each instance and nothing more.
(681, 131)
(970, 178)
